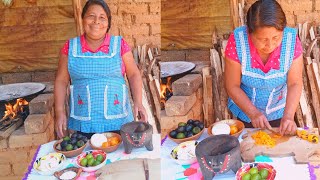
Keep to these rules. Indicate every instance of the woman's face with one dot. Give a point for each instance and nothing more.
(266, 39)
(95, 22)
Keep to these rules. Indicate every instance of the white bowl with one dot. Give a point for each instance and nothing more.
(189, 149)
(94, 153)
(47, 165)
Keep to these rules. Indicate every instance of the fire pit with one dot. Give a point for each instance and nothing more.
(14, 105)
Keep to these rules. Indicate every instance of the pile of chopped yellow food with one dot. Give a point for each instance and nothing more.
(262, 138)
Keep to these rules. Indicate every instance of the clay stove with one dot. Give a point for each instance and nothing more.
(185, 100)
(14, 108)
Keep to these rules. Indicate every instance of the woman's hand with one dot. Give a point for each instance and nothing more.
(61, 125)
(259, 120)
(140, 112)
(287, 126)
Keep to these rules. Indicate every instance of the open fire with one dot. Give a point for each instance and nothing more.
(13, 111)
(165, 91)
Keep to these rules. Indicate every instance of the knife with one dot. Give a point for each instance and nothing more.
(146, 168)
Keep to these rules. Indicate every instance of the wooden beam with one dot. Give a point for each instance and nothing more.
(77, 16)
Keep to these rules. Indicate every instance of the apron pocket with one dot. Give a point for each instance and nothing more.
(115, 102)
(277, 99)
(80, 106)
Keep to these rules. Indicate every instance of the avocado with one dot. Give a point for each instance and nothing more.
(75, 147)
(181, 129)
(201, 125)
(66, 138)
(196, 130)
(69, 147)
(182, 124)
(74, 135)
(84, 139)
(73, 141)
(79, 136)
(190, 121)
(189, 127)
(64, 144)
(196, 122)
(173, 133)
(180, 135)
(189, 134)
(80, 143)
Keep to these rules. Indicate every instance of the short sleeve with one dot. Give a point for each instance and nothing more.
(124, 47)
(231, 50)
(297, 49)
(65, 48)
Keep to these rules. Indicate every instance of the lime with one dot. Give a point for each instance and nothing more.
(246, 176)
(96, 163)
(69, 147)
(180, 135)
(66, 138)
(182, 124)
(91, 161)
(264, 173)
(89, 156)
(99, 158)
(84, 162)
(255, 177)
(253, 170)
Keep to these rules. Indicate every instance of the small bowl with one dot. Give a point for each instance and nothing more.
(60, 159)
(245, 168)
(94, 153)
(178, 141)
(78, 171)
(230, 122)
(71, 153)
(108, 149)
(192, 160)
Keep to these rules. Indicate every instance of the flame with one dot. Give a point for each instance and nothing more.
(13, 110)
(164, 88)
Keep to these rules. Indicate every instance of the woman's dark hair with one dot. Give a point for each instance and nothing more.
(266, 13)
(103, 4)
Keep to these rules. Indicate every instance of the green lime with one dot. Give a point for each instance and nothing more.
(264, 173)
(91, 161)
(69, 147)
(253, 170)
(89, 156)
(99, 158)
(84, 162)
(66, 138)
(246, 176)
(180, 135)
(255, 177)
(96, 163)
(182, 124)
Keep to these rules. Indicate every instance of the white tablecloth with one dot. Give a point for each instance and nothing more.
(285, 167)
(117, 155)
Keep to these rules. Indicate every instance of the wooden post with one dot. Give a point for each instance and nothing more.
(234, 13)
(77, 8)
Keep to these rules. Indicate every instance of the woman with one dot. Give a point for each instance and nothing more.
(95, 64)
(264, 69)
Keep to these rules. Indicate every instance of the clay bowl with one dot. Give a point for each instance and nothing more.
(230, 122)
(245, 168)
(95, 153)
(194, 137)
(71, 153)
(108, 149)
(74, 169)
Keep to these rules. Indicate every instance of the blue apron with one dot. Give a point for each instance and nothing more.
(99, 99)
(267, 91)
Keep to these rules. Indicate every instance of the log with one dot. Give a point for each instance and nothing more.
(4, 134)
(209, 103)
(156, 97)
(205, 74)
(316, 94)
(214, 55)
(305, 110)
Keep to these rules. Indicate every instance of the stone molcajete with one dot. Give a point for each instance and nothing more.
(136, 134)
(218, 154)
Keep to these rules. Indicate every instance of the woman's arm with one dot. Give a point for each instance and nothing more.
(294, 83)
(135, 83)
(232, 84)
(60, 92)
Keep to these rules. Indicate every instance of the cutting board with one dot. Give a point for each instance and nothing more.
(285, 146)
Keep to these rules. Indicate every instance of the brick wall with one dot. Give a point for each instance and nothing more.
(137, 21)
(298, 11)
